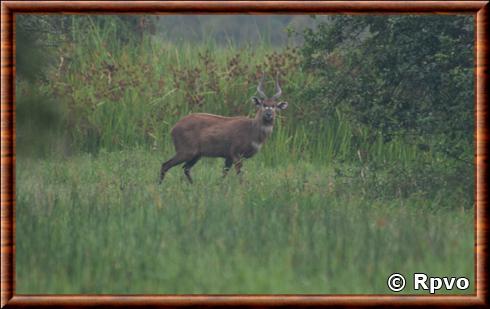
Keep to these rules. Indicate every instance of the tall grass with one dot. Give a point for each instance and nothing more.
(121, 96)
(103, 225)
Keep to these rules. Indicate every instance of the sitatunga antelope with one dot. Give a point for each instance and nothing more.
(232, 138)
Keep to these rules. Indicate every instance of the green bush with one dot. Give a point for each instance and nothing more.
(399, 75)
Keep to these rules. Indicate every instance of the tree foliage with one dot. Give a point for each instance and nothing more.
(399, 75)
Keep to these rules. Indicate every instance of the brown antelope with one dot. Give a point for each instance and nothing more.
(231, 138)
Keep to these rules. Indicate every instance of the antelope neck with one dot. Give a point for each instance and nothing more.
(262, 130)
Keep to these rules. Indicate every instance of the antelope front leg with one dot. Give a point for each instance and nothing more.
(226, 168)
(238, 168)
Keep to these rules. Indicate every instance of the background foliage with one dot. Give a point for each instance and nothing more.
(399, 76)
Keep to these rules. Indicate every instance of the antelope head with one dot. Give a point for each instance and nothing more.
(267, 107)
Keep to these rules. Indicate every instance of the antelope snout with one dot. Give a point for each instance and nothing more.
(268, 115)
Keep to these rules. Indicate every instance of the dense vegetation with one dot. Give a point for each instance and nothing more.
(368, 172)
(397, 76)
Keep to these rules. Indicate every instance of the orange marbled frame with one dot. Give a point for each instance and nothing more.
(479, 9)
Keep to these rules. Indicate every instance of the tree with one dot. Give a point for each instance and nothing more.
(399, 75)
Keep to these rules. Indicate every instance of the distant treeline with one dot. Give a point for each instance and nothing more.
(276, 30)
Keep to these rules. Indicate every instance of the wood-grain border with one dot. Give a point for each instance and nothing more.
(8, 10)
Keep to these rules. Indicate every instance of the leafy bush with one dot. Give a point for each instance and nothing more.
(404, 78)
(399, 75)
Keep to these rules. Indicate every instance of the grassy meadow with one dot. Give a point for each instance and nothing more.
(103, 225)
(322, 209)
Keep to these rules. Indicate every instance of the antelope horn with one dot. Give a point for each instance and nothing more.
(259, 88)
(278, 88)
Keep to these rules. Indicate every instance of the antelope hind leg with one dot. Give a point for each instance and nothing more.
(187, 167)
(176, 160)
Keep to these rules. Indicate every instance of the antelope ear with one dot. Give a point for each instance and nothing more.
(282, 105)
(257, 101)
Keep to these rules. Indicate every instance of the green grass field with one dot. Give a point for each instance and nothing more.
(102, 225)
